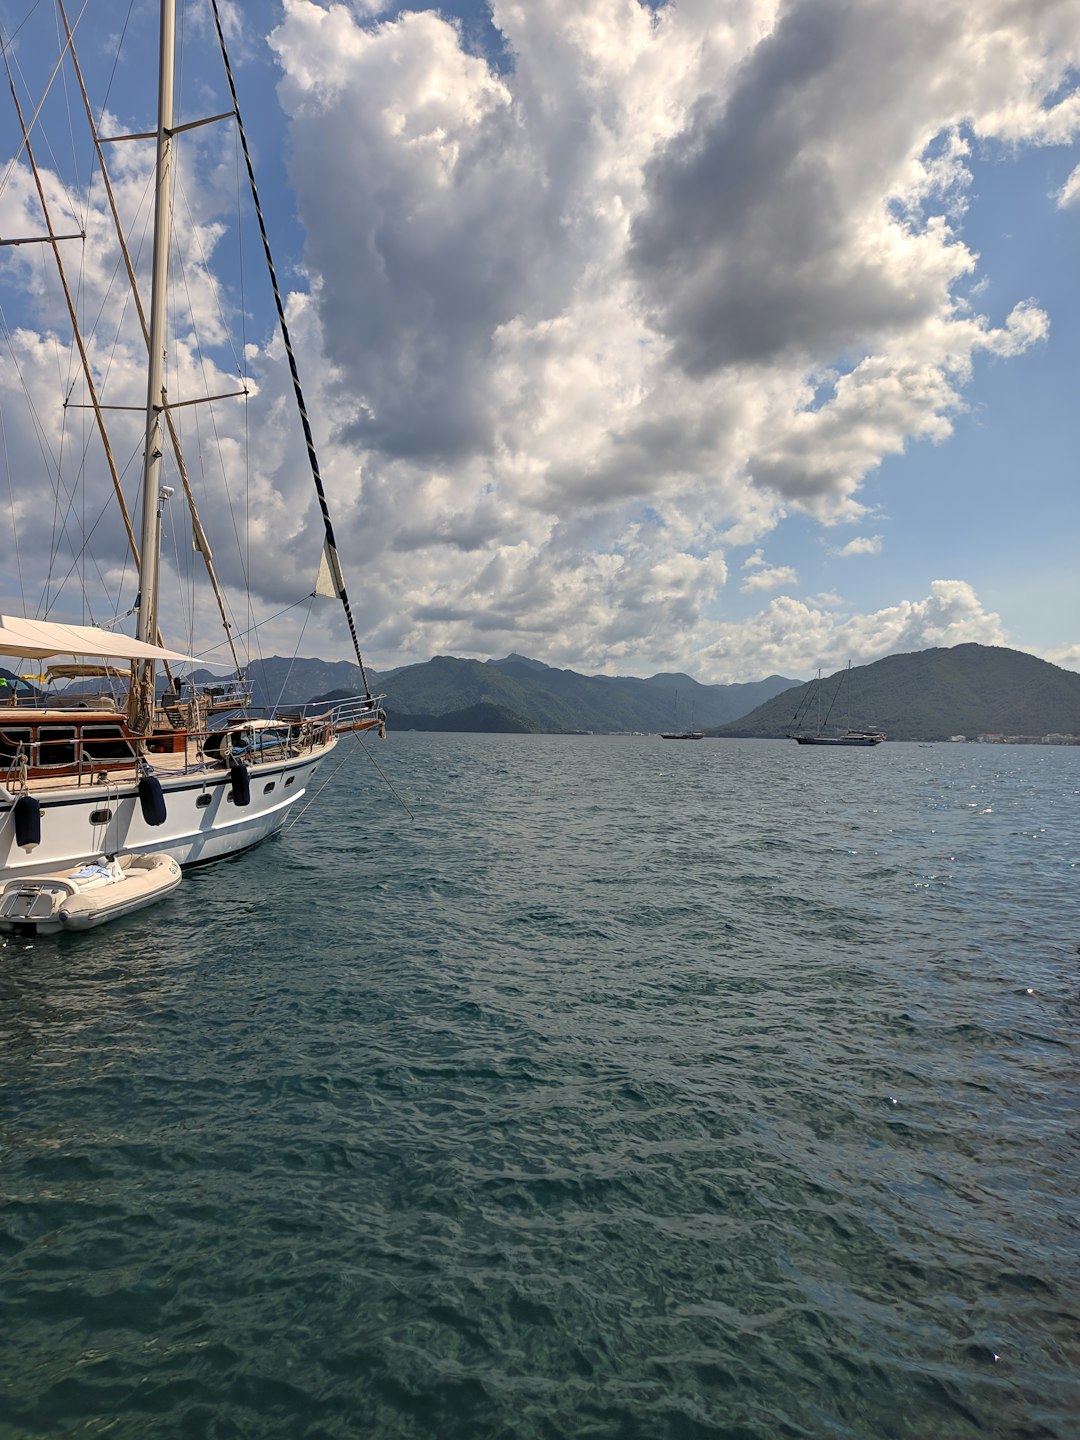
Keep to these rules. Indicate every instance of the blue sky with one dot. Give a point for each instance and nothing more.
(734, 338)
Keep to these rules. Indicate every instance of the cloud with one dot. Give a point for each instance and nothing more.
(794, 637)
(769, 578)
(574, 326)
(861, 545)
(1067, 656)
(614, 272)
(1069, 194)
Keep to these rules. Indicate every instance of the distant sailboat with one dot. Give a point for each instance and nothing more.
(683, 734)
(847, 737)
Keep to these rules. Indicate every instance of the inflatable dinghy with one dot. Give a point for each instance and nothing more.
(87, 895)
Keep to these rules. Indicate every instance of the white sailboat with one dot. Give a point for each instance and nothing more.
(187, 772)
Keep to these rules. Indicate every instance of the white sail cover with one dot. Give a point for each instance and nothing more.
(37, 639)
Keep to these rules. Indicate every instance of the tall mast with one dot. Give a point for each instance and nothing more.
(155, 385)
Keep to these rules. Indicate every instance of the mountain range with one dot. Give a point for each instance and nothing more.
(927, 695)
(540, 697)
(514, 694)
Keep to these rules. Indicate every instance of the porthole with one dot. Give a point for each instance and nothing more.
(289, 781)
(269, 787)
(202, 802)
(100, 817)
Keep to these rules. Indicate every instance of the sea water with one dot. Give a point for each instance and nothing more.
(625, 1088)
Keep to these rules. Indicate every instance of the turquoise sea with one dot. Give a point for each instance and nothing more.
(630, 1089)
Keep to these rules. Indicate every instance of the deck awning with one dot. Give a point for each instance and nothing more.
(38, 639)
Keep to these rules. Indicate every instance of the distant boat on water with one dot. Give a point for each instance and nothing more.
(683, 734)
(817, 736)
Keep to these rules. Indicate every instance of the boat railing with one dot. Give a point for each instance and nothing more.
(227, 695)
(355, 712)
(97, 749)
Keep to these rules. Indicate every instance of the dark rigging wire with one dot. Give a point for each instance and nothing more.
(331, 543)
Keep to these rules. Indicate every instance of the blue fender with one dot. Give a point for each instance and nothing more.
(27, 813)
(152, 800)
(241, 783)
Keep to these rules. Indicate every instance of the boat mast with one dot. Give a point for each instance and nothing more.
(152, 497)
(202, 544)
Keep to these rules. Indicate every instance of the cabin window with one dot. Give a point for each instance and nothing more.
(289, 781)
(56, 745)
(202, 802)
(269, 787)
(105, 742)
(11, 741)
(100, 817)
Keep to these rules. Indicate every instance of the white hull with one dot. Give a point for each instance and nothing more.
(73, 827)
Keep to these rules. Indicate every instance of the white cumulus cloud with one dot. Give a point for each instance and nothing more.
(862, 545)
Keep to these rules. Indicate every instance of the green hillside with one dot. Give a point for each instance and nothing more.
(474, 719)
(968, 690)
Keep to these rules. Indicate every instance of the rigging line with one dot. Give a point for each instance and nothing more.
(77, 337)
(50, 461)
(24, 21)
(385, 778)
(4, 46)
(243, 634)
(241, 269)
(331, 543)
(116, 62)
(226, 607)
(11, 507)
(832, 702)
(242, 275)
(58, 169)
(71, 131)
(296, 651)
(327, 779)
(194, 229)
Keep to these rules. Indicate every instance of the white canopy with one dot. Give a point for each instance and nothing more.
(37, 639)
